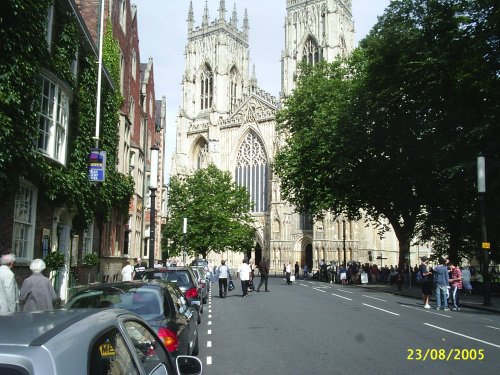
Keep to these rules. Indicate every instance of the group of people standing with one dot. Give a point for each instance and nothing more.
(36, 293)
(447, 281)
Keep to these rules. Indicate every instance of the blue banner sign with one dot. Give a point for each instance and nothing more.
(97, 165)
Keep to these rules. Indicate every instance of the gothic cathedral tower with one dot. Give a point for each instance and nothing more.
(225, 119)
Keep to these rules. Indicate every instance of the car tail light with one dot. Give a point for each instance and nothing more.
(191, 293)
(169, 338)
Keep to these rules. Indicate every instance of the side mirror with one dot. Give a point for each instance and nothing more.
(188, 365)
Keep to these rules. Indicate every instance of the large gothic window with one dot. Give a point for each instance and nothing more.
(233, 84)
(311, 52)
(252, 171)
(207, 88)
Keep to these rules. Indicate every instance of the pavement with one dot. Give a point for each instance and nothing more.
(474, 301)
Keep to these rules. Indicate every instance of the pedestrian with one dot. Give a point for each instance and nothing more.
(343, 275)
(467, 286)
(37, 292)
(264, 274)
(223, 274)
(127, 271)
(288, 273)
(426, 281)
(441, 283)
(456, 285)
(139, 269)
(252, 274)
(244, 275)
(158, 264)
(306, 271)
(297, 270)
(9, 293)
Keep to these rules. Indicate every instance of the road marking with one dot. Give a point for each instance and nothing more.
(209, 322)
(320, 290)
(462, 335)
(378, 308)
(209, 332)
(345, 291)
(378, 299)
(489, 320)
(209, 344)
(336, 295)
(307, 286)
(428, 311)
(209, 316)
(209, 360)
(493, 327)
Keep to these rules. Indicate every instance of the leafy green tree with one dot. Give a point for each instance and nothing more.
(218, 214)
(391, 133)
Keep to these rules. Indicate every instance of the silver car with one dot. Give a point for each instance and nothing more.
(95, 342)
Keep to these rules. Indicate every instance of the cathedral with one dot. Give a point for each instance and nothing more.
(227, 120)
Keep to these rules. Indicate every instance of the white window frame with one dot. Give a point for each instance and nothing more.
(23, 233)
(53, 119)
(88, 239)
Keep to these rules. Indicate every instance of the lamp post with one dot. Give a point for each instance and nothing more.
(153, 182)
(184, 231)
(485, 246)
(343, 241)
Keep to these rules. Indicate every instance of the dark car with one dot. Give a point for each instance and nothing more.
(85, 342)
(161, 305)
(185, 279)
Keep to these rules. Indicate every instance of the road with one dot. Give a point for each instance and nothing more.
(320, 328)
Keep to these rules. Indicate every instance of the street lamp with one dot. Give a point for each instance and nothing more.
(485, 246)
(153, 182)
(343, 241)
(184, 231)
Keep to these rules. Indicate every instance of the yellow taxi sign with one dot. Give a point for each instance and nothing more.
(485, 245)
(107, 350)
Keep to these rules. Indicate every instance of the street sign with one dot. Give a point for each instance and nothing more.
(97, 165)
(485, 245)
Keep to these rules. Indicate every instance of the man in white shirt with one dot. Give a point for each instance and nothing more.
(127, 271)
(9, 292)
(223, 272)
(244, 275)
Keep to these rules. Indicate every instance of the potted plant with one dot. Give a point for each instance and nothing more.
(55, 260)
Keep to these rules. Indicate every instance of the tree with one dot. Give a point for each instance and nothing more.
(391, 132)
(217, 212)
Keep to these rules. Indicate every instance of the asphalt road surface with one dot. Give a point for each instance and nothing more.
(320, 328)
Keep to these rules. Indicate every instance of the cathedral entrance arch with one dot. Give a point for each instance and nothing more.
(308, 252)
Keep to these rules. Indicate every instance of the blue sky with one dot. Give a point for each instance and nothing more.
(163, 34)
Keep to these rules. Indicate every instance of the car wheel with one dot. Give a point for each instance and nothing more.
(199, 318)
(196, 349)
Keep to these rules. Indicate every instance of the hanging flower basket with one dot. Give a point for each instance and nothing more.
(90, 260)
(55, 260)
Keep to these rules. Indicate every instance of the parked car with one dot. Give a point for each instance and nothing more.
(203, 281)
(203, 263)
(162, 305)
(185, 279)
(85, 342)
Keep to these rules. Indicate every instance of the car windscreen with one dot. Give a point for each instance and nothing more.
(147, 303)
(175, 276)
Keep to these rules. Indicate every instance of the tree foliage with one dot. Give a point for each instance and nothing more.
(393, 132)
(217, 211)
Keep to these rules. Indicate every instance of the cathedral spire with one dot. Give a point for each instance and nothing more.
(234, 18)
(245, 23)
(253, 80)
(190, 19)
(204, 23)
(222, 10)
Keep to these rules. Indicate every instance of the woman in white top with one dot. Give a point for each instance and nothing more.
(127, 272)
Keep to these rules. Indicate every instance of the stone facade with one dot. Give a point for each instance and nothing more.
(226, 119)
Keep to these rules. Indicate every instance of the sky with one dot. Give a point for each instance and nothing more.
(162, 32)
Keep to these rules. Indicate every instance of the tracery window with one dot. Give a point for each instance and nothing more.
(252, 171)
(311, 52)
(233, 84)
(207, 86)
